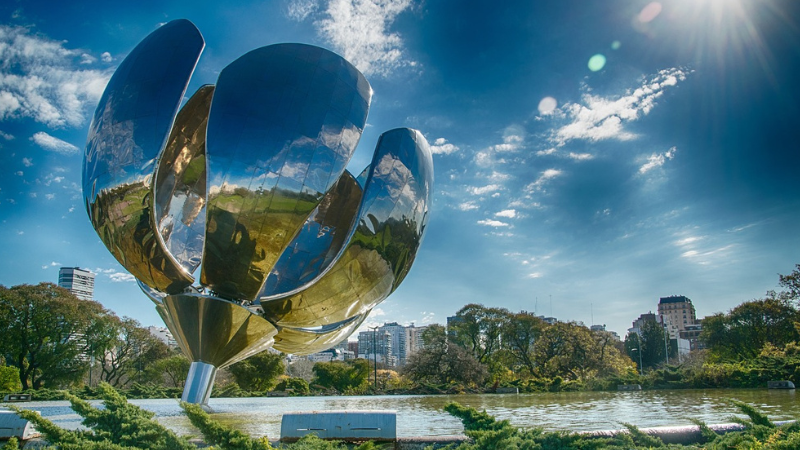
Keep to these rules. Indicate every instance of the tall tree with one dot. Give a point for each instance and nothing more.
(342, 375)
(259, 372)
(650, 343)
(43, 329)
(123, 349)
(478, 329)
(443, 362)
(520, 333)
(743, 332)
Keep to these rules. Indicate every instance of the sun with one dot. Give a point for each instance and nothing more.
(719, 31)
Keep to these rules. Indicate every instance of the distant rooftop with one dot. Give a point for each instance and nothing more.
(674, 299)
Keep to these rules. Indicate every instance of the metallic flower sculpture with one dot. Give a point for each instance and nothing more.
(247, 182)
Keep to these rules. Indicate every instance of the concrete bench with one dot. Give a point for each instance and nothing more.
(341, 425)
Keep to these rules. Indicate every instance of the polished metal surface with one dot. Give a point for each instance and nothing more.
(284, 123)
(180, 183)
(215, 331)
(305, 341)
(126, 136)
(199, 383)
(247, 182)
(389, 229)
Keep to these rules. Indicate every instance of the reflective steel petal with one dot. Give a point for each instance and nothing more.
(215, 331)
(283, 124)
(128, 132)
(319, 242)
(391, 223)
(180, 186)
(300, 341)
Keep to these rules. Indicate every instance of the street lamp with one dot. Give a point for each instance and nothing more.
(639, 340)
(375, 355)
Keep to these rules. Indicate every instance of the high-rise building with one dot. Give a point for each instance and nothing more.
(414, 341)
(677, 313)
(163, 334)
(78, 281)
(376, 344)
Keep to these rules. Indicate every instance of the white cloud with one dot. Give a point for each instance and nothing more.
(6, 136)
(509, 213)
(300, 9)
(106, 57)
(121, 277)
(87, 59)
(492, 223)
(54, 144)
(546, 176)
(358, 29)
(600, 118)
(39, 79)
(27, 162)
(467, 206)
(498, 176)
(534, 275)
(657, 160)
(19, 173)
(581, 156)
(49, 196)
(442, 147)
(485, 189)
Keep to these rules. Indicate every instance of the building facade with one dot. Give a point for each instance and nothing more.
(677, 312)
(78, 281)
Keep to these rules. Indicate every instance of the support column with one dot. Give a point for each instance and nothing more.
(199, 383)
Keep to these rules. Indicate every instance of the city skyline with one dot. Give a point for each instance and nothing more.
(602, 157)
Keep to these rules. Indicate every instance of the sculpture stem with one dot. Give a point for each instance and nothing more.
(199, 383)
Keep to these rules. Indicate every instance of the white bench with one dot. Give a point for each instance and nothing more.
(342, 425)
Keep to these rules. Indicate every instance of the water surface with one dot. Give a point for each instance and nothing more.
(422, 415)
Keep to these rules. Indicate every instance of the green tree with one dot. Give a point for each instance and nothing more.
(520, 333)
(123, 348)
(9, 379)
(744, 331)
(478, 329)
(650, 343)
(259, 372)
(342, 375)
(171, 371)
(443, 362)
(43, 329)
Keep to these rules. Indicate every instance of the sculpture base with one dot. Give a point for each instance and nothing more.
(199, 383)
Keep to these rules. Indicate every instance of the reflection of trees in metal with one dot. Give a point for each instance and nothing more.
(248, 183)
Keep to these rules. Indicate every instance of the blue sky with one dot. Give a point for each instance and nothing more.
(590, 156)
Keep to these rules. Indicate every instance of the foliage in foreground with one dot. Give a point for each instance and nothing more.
(487, 433)
(124, 426)
(120, 425)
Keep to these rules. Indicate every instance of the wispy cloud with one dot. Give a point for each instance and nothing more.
(467, 206)
(300, 9)
(39, 79)
(442, 147)
(359, 29)
(52, 264)
(492, 223)
(121, 277)
(508, 213)
(485, 189)
(546, 176)
(599, 118)
(657, 160)
(5, 135)
(54, 144)
(27, 162)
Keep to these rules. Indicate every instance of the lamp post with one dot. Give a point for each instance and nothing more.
(641, 366)
(375, 355)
